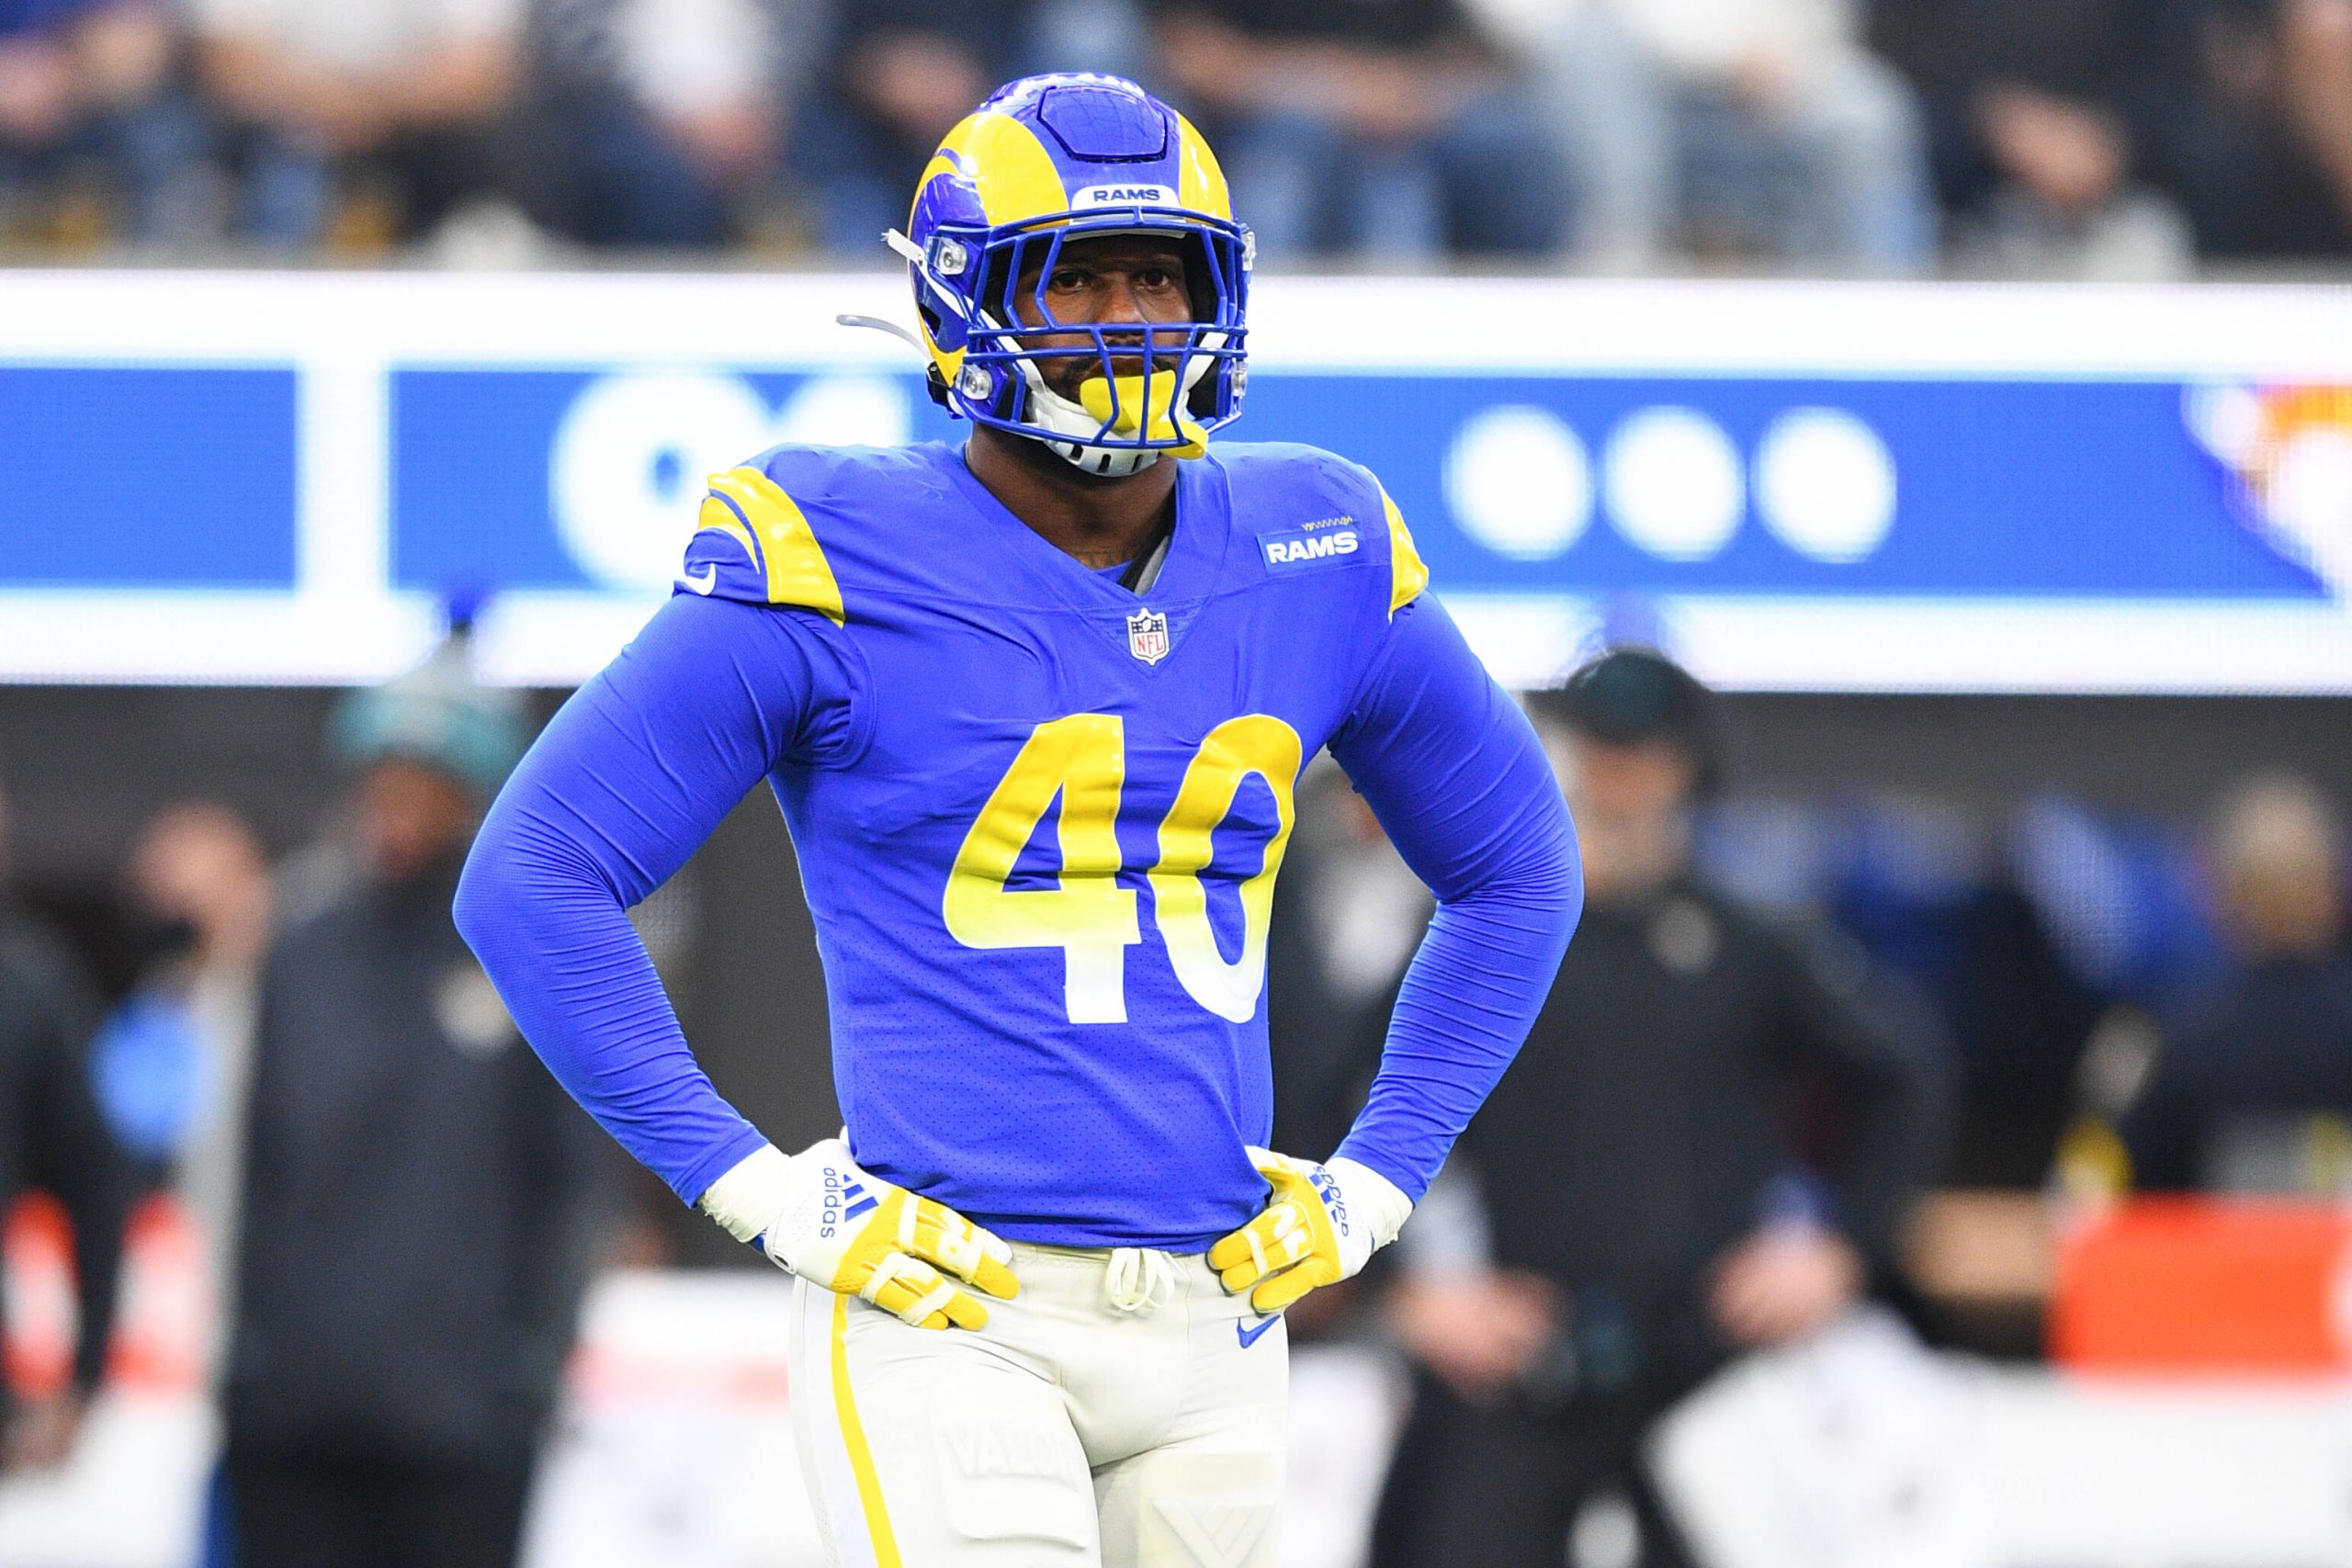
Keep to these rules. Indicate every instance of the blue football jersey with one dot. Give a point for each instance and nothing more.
(1040, 853)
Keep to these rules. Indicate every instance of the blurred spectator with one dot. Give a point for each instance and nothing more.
(2312, 46)
(413, 1240)
(2260, 152)
(405, 102)
(180, 1049)
(52, 1141)
(901, 72)
(652, 121)
(84, 87)
(1763, 125)
(2252, 1086)
(1384, 127)
(1649, 1210)
(1925, 890)
(2037, 112)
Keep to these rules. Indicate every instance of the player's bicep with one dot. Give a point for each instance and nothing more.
(1449, 764)
(642, 763)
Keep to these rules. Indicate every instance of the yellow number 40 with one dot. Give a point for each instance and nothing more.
(1081, 761)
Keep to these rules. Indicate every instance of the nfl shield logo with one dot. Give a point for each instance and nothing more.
(1148, 636)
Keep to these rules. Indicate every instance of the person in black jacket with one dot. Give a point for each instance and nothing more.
(1705, 1146)
(409, 1270)
(53, 1140)
(2251, 1087)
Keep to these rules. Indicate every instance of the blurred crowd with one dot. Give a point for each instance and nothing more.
(2107, 137)
(1783, 1028)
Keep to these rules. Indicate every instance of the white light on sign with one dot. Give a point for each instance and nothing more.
(1674, 483)
(1517, 480)
(1825, 483)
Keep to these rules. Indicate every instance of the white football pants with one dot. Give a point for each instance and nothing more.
(1123, 1412)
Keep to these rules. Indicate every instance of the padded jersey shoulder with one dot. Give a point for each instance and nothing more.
(813, 527)
(1288, 494)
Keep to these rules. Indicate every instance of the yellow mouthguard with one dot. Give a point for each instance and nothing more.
(1148, 403)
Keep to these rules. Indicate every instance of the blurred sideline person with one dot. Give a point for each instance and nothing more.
(2252, 1086)
(393, 111)
(52, 1140)
(1670, 1094)
(198, 869)
(411, 1256)
(1042, 1274)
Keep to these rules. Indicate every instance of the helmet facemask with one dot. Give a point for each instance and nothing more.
(1158, 387)
(1143, 393)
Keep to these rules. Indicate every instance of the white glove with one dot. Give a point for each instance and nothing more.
(836, 1225)
(1322, 1224)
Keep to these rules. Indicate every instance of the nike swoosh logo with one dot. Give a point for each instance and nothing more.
(1249, 1335)
(702, 585)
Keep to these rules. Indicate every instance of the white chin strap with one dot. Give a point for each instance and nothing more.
(1059, 415)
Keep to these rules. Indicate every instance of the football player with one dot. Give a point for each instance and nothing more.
(1034, 707)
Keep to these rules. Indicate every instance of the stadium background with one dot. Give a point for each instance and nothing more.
(2013, 553)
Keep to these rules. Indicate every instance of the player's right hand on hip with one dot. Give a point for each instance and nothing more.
(829, 1220)
(1305, 1236)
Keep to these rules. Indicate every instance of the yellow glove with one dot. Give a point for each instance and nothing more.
(1321, 1225)
(829, 1220)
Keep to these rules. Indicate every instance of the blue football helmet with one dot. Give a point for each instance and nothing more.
(1044, 160)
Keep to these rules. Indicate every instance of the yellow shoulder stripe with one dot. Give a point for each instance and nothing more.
(717, 513)
(798, 572)
(1407, 575)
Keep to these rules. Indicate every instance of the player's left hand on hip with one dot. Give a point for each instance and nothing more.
(1321, 1225)
(837, 1224)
